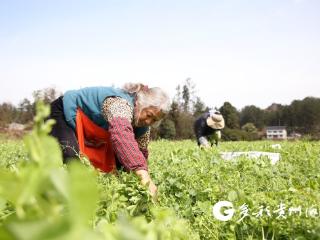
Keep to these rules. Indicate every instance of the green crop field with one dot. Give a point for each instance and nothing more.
(42, 199)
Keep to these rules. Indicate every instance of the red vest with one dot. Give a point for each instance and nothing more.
(95, 143)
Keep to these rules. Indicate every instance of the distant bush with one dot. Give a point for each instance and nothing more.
(238, 135)
(167, 129)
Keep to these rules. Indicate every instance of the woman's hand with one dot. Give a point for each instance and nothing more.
(204, 142)
(153, 190)
(146, 180)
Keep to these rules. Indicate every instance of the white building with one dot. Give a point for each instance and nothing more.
(276, 132)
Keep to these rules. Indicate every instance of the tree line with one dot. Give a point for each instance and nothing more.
(25, 111)
(301, 116)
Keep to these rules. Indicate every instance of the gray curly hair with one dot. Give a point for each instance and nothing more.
(148, 97)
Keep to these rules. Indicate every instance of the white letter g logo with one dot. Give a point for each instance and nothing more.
(216, 210)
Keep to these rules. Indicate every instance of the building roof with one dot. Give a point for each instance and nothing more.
(276, 128)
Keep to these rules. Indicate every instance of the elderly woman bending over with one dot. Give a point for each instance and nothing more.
(125, 113)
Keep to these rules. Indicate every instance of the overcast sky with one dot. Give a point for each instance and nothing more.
(245, 52)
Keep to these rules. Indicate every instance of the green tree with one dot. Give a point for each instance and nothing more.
(252, 114)
(26, 111)
(199, 108)
(231, 115)
(188, 98)
(167, 129)
(184, 126)
(305, 114)
(47, 95)
(8, 113)
(183, 110)
(174, 112)
(273, 115)
(249, 127)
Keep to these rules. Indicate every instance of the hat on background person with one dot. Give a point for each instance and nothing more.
(215, 121)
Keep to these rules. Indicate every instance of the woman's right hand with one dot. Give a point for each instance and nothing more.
(153, 190)
(146, 180)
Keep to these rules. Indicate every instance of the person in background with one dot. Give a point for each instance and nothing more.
(207, 128)
(125, 113)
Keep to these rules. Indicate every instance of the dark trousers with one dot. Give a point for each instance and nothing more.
(65, 134)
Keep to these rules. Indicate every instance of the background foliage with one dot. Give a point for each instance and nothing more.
(40, 198)
(301, 116)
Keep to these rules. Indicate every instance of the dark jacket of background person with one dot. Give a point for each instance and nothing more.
(207, 125)
(201, 128)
